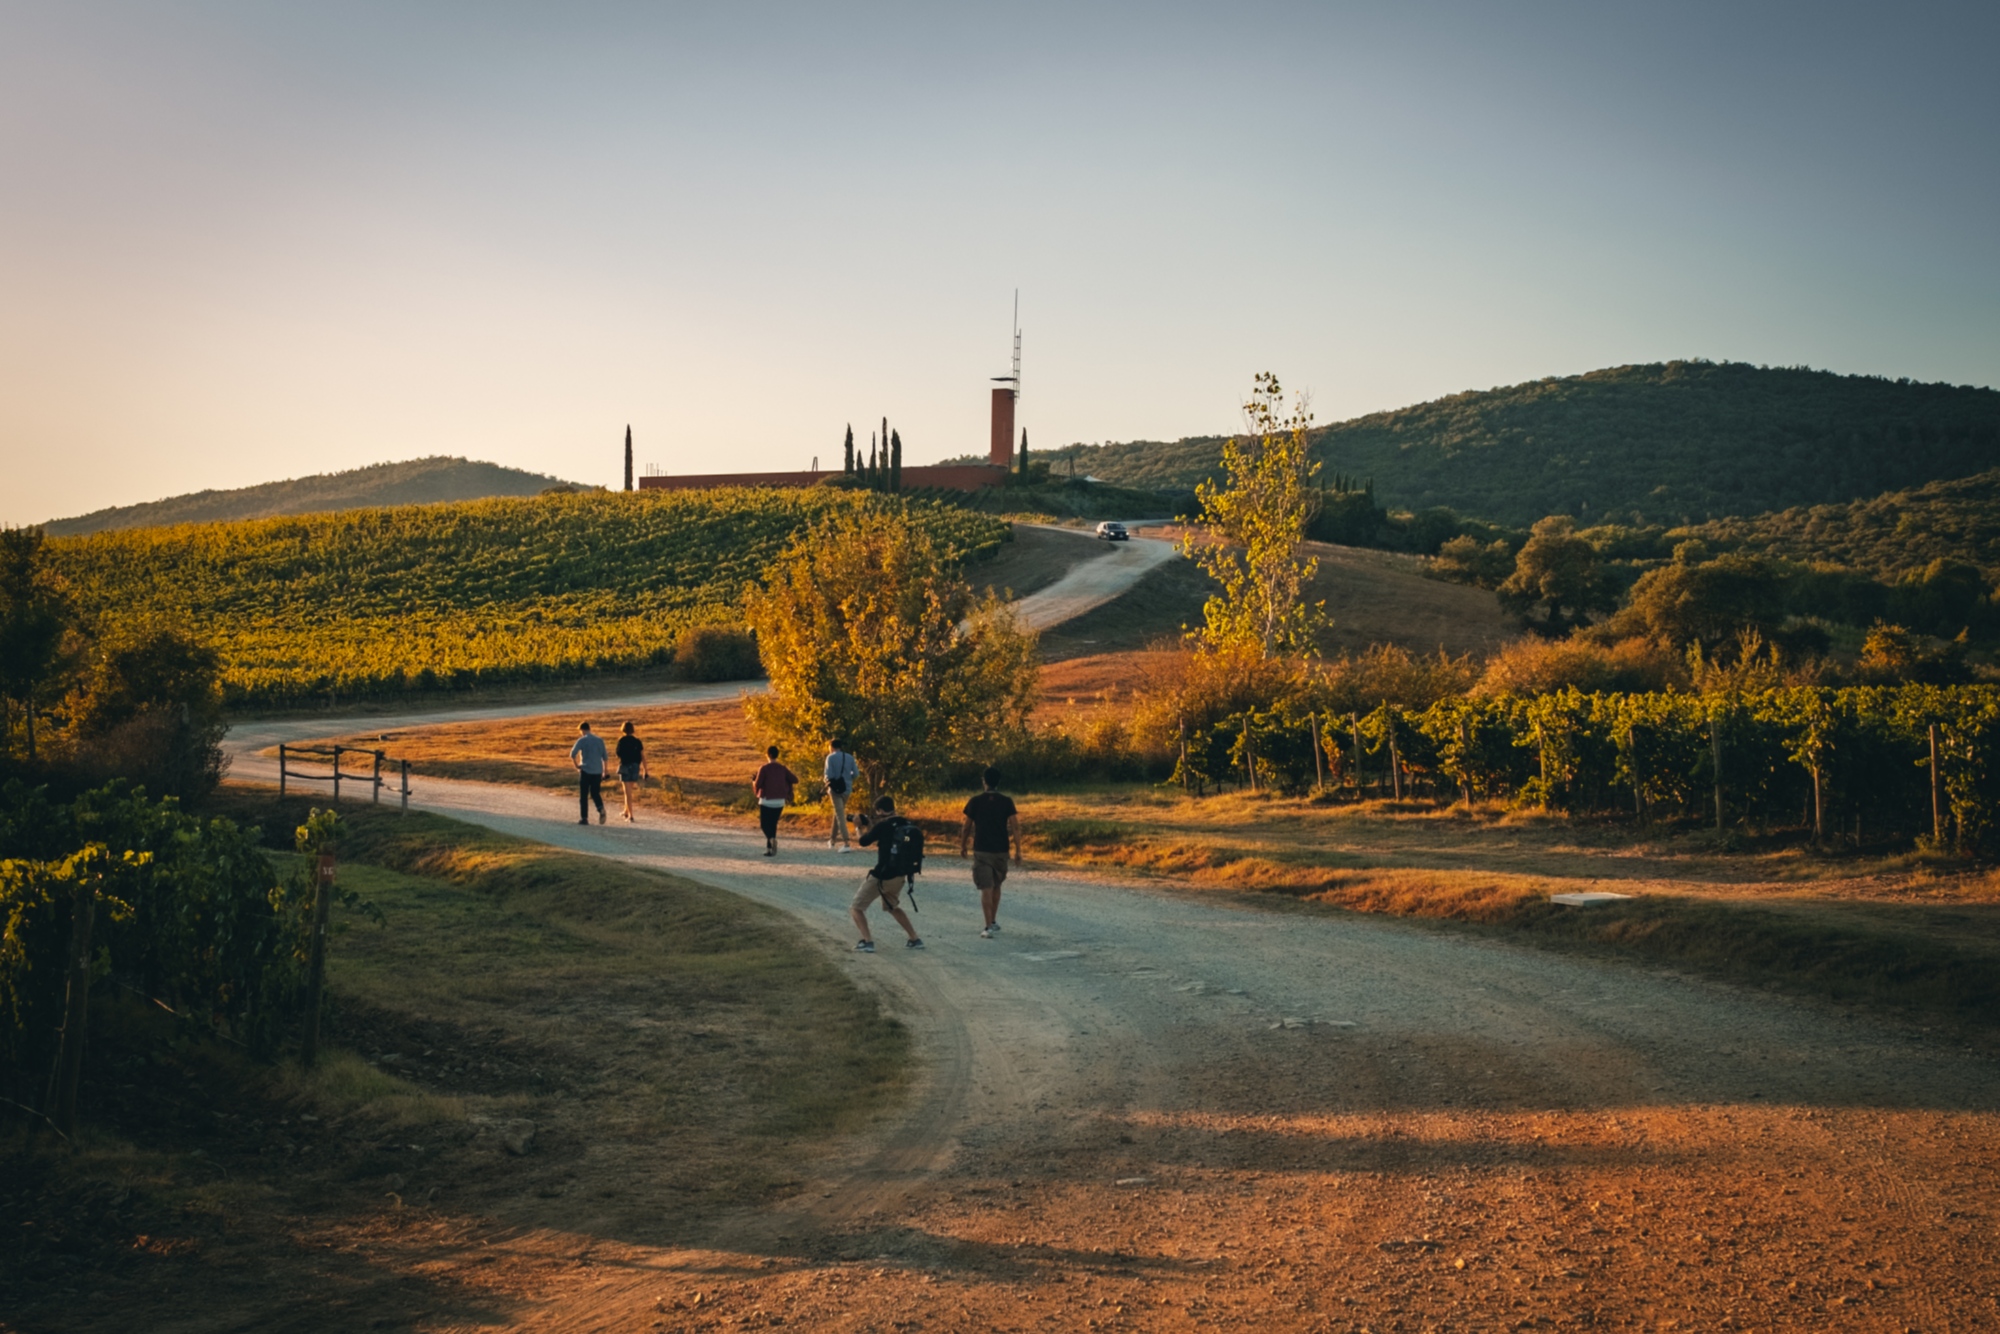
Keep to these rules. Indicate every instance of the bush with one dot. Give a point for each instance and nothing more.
(1542, 666)
(717, 653)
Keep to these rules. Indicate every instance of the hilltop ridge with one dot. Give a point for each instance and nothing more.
(1675, 442)
(422, 481)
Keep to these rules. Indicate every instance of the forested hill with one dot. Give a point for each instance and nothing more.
(1888, 536)
(416, 482)
(1674, 443)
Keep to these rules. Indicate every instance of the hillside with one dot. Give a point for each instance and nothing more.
(480, 592)
(415, 482)
(1887, 536)
(1682, 442)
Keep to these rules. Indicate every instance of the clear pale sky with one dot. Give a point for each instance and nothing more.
(240, 242)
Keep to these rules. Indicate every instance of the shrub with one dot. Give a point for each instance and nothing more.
(1542, 666)
(716, 653)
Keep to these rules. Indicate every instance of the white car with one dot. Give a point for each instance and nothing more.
(1113, 531)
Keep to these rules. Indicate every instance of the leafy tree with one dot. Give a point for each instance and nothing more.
(1465, 560)
(867, 633)
(1709, 602)
(1255, 520)
(150, 710)
(1559, 573)
(35, 614)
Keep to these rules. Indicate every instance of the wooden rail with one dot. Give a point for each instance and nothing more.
(374, 779)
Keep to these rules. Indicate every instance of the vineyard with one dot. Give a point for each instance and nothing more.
(450, 596)
(1853, 765)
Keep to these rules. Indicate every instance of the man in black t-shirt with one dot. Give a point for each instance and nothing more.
(991, 825)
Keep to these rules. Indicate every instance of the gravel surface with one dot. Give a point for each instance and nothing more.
(1154, 1110)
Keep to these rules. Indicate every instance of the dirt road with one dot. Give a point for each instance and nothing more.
(1144, 1110)
(1093, 582)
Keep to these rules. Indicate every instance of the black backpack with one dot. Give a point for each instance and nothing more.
(905, 850)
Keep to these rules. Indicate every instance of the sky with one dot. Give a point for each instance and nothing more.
(242, 242)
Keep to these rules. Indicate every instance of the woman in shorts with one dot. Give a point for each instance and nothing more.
(631, 766)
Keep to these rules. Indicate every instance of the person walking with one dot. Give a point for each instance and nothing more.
(892, 836)
(992, 823)
(841, 773)
(631, 766)
(588, 757)
(773, 785)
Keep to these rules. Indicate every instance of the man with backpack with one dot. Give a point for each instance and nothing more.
(991, 824)
(899, 856)
(841, 771)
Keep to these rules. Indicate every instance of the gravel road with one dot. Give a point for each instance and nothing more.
(1149, 1109)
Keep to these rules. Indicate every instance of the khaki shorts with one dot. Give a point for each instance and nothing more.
(886, 890)
(989, 869)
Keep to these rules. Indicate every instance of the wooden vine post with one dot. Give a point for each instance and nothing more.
(76, 1008)
(1395, 759)
(1715, 756)
(1187, 779)
(1937, 795)
(1638, 774)
(1354, 722)
(1465, 762)
(1319, 760)
(316, 957)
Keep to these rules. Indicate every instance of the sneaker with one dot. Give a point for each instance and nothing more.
(770, 852)
(600, 817)
(864, 947)
(847, 847)
(987, 934)
(913, 944)
(584, 820)
(993, 927)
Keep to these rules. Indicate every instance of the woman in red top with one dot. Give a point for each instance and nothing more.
(773, 786)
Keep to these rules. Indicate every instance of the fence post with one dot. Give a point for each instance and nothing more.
(336, 775)
(1319, 760)
(281, 770)
(1937, 796)
(406, 787)
(375, 790)
(316, 957)
(1638, 776)
(1187, 779)
(76, 1010)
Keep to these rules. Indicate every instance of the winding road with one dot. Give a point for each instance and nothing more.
(1144, 1108)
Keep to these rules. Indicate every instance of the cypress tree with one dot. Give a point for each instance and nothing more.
(628, 458)
(872, 472)
(848, 466)
(1024, 453)
(895, 460)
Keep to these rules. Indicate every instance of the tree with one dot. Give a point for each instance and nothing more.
(895, 460)
(1024, 453)
(873, 472)
(150, 710)
(867, 634)
(847, 451)
(35, 613)
(1464, 561)
(1692, 601)
(1560, 573)
(1255, 520)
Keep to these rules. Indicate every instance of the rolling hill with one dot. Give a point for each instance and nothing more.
(1674, 443)
(415, 482)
